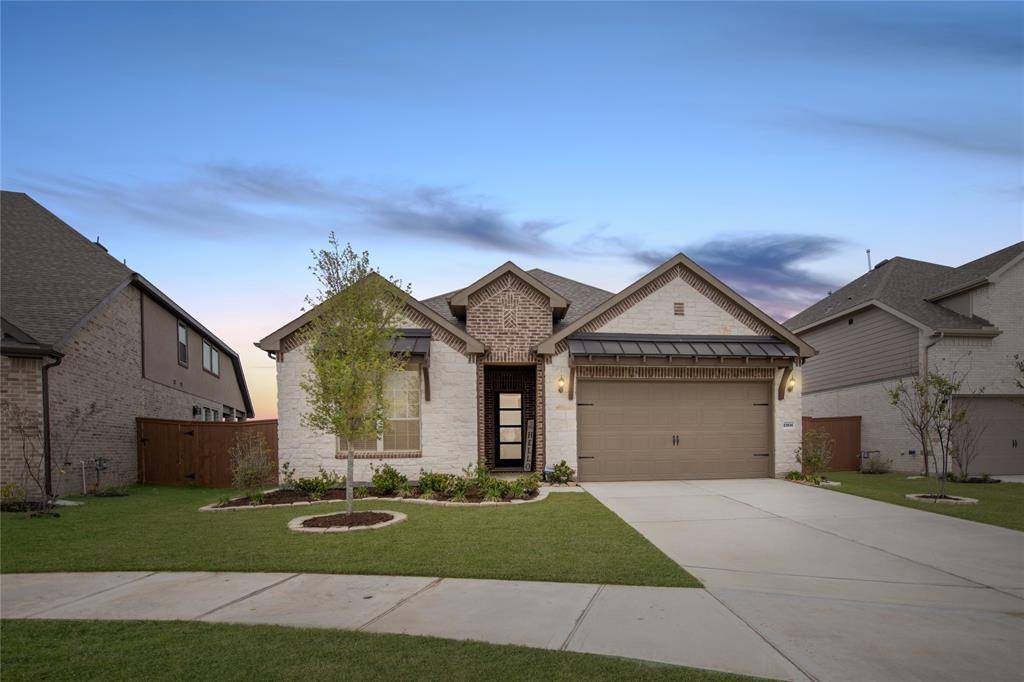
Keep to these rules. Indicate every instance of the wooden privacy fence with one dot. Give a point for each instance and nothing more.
(194, 453)
(845, 431)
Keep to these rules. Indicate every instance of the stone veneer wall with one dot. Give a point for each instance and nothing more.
(102, 364)
(448, 430)
(655, 314)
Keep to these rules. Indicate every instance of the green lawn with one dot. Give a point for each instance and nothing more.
(569, 537)
(1000, 504)
(112, 650)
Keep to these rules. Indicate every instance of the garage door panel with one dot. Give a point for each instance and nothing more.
(1000, 447)
(626, 430)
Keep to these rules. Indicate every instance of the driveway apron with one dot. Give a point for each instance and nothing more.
(844, 587)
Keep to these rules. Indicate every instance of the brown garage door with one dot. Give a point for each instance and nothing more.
(646, 430)
(1001, 445)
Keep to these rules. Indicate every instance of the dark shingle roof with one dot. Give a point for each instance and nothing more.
(906, 285)
(674, 345)
(582, 298)
(50, 275)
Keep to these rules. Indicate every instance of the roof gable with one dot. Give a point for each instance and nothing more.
(458, 301)
(706, 283)
(911, 288)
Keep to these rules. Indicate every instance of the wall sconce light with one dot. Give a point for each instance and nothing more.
(561, 384)
(791, 385)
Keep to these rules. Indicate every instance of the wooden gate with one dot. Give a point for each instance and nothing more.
(194, 453)
(845, 431)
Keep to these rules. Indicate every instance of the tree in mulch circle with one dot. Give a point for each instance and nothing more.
(927, 407)
(348, 343)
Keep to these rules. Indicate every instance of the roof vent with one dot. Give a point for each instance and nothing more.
(881, 263)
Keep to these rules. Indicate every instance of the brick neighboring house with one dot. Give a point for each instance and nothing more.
(674, 377)
(80, 327)
(906, 317)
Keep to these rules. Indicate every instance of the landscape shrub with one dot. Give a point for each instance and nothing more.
(562, 473)
(814, 453)
(13, 498)
(316, 487)
(251, 463)
(386, 479)
(794, 476)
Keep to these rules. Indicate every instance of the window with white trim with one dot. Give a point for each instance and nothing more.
(402, 393)
(182, 344)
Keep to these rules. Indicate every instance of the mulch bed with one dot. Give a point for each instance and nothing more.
(366, 518)
(285, 497)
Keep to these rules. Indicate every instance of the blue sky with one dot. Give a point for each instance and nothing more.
(213, 145)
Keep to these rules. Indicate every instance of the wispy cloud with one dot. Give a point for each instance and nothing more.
(221, 200)
(1003, 140)
(769, 270)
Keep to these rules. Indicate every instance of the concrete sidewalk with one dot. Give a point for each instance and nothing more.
(670, 625)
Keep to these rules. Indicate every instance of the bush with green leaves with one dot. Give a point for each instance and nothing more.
(386, 479)
(316, 487)
(794, 476)
(456, 487)
(494, 489)
(562, 473)
(13, 498)
(524, 487)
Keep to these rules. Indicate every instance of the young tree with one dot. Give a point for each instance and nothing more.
(966, 440)
(917, 407)
(348, 344)
(929, 413)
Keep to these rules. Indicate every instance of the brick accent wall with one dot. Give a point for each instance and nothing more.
(103, 364)
(20, 386)
(510, 317)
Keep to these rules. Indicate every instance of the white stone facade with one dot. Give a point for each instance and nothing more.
(447, 423)
(655, 314)
(560, 413)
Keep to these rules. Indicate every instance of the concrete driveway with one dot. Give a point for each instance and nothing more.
(844, 587)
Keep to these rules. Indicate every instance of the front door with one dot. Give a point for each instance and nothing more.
(509, 448)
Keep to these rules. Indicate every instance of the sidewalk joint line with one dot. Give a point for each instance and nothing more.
(246, 596)
(579, 619)
(401, 602)
(91, 594)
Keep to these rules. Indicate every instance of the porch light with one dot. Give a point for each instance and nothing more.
(561, 384)
(791, 385)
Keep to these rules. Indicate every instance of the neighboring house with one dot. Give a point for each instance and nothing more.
(674, 377)
(906, 317)
(80, 328)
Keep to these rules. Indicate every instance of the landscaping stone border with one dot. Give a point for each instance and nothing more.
(541, 494)
(953, 499)
(296, 523)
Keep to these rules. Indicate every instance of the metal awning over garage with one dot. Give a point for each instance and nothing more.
(666, 347)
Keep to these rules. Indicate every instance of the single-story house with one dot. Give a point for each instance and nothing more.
(907, 317)
(81, 328)
(674, 377)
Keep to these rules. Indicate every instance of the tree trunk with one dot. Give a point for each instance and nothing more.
(351, 465)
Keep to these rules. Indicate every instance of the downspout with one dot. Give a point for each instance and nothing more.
(924, 359)
(47, 465)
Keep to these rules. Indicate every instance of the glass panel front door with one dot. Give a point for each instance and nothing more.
(510, 430)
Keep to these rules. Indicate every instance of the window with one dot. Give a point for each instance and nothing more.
(206, 414)
(182, 344)
(216, 416)
(211, 358)
(510, 428)
(402, 393)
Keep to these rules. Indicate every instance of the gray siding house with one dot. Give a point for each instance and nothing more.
(79, 327)
(906, 317)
